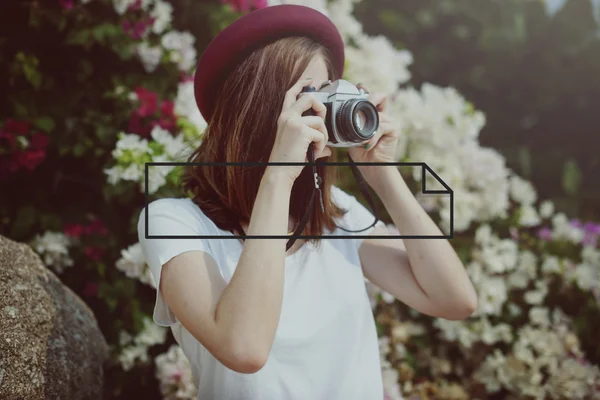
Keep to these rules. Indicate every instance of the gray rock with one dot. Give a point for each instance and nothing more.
(50, 344)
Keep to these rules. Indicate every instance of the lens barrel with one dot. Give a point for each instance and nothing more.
(357, 120)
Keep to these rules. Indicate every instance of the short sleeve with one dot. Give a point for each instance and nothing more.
(170, 217)
(357, 217)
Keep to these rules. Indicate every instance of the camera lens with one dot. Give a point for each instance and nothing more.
(357, 120)
(360, 120)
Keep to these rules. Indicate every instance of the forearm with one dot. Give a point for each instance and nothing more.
(250, 305)
(434, 263)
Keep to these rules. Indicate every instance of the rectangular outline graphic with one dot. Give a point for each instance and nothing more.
(424, 169)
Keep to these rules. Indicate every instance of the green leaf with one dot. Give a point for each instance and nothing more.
(50, 222)
(24, 221)
(106, 31)
(44, 123)
(101, 267)
(572, 177)
(525, 161)
(78, 149)
(78, 37)
(20, 110)
(33, 76)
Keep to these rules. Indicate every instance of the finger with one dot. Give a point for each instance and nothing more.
(316, 137)
(292, 94)
(326, 153)
(363, 87)
(317, 123)
(308, 102)
(375, 139)
(379, 100)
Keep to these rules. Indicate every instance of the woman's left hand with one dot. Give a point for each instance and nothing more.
(383, 146)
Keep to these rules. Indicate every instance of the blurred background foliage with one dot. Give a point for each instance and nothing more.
(534, 73)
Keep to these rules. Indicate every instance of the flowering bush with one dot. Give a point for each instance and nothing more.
(126, 98)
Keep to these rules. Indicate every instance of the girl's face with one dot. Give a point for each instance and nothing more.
(317, 70)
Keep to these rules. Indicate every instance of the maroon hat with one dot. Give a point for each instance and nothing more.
(256, 29)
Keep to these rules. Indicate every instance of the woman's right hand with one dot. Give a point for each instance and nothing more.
(296, 132)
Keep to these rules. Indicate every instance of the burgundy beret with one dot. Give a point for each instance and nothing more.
(253, 30)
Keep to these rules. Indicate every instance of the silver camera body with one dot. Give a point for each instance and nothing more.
(351, 119)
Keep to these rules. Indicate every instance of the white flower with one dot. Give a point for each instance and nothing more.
(456, 331)
(175, 147)
(492, 296)
(149, 55)
(376, 63)
(185, 105)
(522, 191)
(439, 127)
(390, 383)
(500, 255)
(182, 50)
(536, 297)
(129, 355)
(488, 372)
(114, 174)
(136, 348)
(562, 230)
(134, 143)
(525, 272)
(341, 13)
(319, 5)
(528, 216)
(587, 276)
(483, 234)
(162, 13)
(121, 6)
(546, 209)
(133, 264)
(540, 316)
(551, 265)
(53, 248)
(151, 334)
(590, 255)
(574, 380)
(157, 176)
(175, 375)
(491, 334)
(133, 173)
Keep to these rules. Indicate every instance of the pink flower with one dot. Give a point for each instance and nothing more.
(39, 141)
(73, 230)
(258, 4)
(9, 138)
(30, 159)
(186, 77)
(245, 5)
(514, 233)
(545, 234)
(18, 127)
(148, 102)
(97, 226)
(90, 289)
(66, 4)
(138, 30)
(94, 253)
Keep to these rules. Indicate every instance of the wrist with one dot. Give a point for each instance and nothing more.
(278, 177)
(381, 177)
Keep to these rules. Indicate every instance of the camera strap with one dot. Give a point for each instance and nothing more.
(317, 188)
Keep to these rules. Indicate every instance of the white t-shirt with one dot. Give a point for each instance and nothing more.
(326, 345)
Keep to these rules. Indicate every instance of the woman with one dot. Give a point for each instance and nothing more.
(255, 321)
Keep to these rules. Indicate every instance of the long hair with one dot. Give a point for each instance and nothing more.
(243, 129)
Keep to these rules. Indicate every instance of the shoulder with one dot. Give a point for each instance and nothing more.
(341, 198)
(181, 211)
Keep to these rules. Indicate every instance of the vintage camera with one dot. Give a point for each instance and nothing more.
(351, 119)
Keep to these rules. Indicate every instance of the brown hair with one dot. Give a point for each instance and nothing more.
(243, 129)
